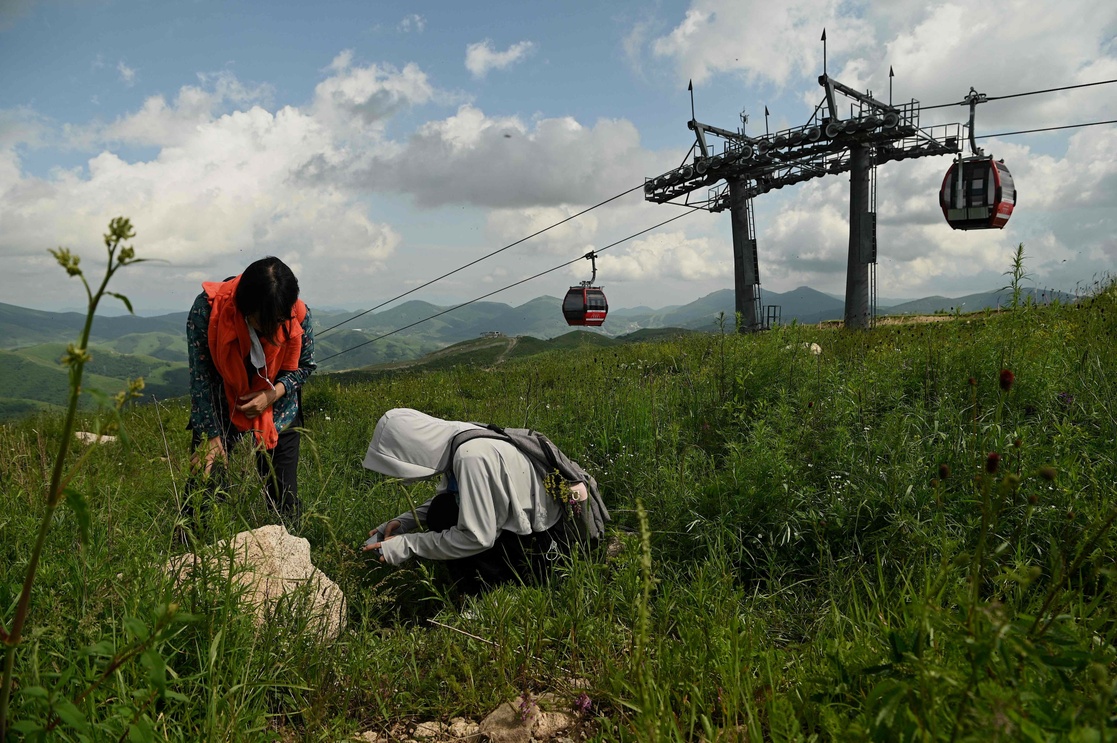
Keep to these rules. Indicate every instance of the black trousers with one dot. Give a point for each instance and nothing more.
(278, 468)
(522, 558)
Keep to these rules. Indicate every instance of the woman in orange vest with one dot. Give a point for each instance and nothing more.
(251, 349)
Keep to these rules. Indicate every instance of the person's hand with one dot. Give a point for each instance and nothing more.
(371, 546)
(254, 404)
(215, 451)
(578, 492)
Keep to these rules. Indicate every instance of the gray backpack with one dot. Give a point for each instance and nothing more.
(588, 518)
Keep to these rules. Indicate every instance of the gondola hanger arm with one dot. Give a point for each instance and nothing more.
(592, 258)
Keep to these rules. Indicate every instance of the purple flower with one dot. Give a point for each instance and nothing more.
(583, 703)
(527, 705)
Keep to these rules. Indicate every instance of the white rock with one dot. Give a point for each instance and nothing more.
(87, 437)
(506, 724)
(271, 564)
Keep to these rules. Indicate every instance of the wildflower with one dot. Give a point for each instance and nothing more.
(583, 703)
(944, 471)
(1033, 499)
(1007, 379)
(1047, 473)
(1065, 398)
(527, 705)
(1018, 442)
(992, 462)
(972, 382)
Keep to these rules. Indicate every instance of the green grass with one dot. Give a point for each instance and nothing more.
(806, 571)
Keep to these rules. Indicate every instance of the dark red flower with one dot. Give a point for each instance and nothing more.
(992, 462)
(1007, 379)
(944, 471)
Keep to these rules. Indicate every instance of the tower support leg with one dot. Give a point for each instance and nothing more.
(746, 267)
(862, 245)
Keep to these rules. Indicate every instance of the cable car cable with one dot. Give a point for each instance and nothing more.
(1017, 95)
(509, 286)
(484, 257)
(1046, 129)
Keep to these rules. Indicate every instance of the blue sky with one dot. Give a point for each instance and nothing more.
(374, 146)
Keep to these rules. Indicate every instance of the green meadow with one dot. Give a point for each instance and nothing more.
(907, 536)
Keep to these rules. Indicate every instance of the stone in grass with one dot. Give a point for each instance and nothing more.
(88, 437)
(458, 729)
(273, 567)
(517, 722)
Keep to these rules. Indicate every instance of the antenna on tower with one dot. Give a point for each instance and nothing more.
(824, 51)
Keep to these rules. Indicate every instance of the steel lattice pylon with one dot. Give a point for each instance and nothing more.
(746, 167)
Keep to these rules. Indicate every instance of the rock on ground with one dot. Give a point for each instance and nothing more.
(272, 565)
(521, 723)
(88, 437)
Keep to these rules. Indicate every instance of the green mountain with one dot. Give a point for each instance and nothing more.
(976, 302)
(34, 379)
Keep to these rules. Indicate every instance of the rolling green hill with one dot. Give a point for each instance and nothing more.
(33, 378)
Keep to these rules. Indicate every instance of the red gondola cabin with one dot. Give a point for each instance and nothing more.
(585, 305)
(977, 194)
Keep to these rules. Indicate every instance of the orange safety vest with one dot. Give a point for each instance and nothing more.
(229, 346)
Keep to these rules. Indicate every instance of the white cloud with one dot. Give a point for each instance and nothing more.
(127, 74)
(470, 158)
(219, 193)
(668, 255)
(767, 42)
(945, 48)
(357, 100)
(481, 58)
(20, 128)
(413, 22)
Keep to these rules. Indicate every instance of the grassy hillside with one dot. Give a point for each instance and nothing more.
(895, 539)
(34, 375)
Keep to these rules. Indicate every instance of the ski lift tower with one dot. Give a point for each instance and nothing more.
(735, 168)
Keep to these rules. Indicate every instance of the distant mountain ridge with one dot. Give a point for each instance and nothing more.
(415, 333)
(415, 328)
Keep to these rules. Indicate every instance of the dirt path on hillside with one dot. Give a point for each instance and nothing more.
(504, 354)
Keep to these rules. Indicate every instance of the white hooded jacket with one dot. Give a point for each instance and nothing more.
(498, 488)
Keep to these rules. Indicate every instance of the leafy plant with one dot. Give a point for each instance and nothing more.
(58, 710)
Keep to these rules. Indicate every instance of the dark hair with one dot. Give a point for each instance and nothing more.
(267, 290)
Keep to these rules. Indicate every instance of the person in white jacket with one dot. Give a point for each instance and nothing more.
(491, 518)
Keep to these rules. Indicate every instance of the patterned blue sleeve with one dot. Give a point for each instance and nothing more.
(287, 407)
(205, 384)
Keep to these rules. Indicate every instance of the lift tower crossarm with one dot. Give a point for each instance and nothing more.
(701, 128)
(831, 85)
